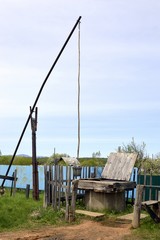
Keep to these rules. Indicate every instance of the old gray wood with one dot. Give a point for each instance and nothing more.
(119, 166)
(105, 185)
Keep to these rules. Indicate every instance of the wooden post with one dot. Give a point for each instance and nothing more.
(27, 190)
(159, 196)
(59, 186)
(45, 200)
(73, 203)
(150, 182)
(137, 206)
(159, 203)
(55, 186)
(145, 183)
(35, 179)
(67, 205)
(14, 182)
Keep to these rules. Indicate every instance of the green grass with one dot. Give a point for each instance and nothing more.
(148, 230)
(18, 212)
(21, 160)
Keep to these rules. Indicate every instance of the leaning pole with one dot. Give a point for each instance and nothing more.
(37, 98)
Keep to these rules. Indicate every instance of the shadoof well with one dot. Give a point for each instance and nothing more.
(33, 121)
(107, 192)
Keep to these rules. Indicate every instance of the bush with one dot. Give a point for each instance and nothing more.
(20, 160)
(99, 162)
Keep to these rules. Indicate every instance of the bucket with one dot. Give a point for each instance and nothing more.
(77, 171)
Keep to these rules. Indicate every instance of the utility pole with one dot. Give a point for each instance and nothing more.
(34, 157)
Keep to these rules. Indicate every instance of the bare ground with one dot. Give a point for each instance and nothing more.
(87, 230)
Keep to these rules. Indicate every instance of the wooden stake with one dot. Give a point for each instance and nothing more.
(137, 206)
(74, 196)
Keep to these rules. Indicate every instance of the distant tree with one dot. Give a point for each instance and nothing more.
(0, 153)
(96, 154)
(156, 156)
(59, 155)
(133, 147)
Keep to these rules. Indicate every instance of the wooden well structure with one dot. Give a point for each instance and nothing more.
(108, 192)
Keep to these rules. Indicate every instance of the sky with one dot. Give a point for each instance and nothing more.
(119, 75)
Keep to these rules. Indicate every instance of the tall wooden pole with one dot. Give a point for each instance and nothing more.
(34, 157)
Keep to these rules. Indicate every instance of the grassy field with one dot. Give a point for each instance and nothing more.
(20, 160)
(20, 213)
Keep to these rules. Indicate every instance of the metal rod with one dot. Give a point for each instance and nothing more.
(39, 93)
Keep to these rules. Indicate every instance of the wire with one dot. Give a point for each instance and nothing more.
(78, 146)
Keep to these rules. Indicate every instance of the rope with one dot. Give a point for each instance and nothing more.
(78, 146)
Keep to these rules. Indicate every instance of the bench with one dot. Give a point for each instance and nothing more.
(153, 208)
(150, 202)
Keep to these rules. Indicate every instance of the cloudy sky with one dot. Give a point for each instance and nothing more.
(120, 57)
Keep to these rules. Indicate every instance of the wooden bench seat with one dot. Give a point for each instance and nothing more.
(150, 203)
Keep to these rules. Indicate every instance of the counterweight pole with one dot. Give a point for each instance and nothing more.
(37, 98)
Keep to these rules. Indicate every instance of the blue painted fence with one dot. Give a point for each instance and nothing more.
(24, 175)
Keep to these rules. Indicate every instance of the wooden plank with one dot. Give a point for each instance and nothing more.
(105, 184)
(129, 217)
(89, 213)
(150, 202)
(119, 166)
(8, 177)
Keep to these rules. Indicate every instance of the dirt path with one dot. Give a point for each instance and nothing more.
(88, 230)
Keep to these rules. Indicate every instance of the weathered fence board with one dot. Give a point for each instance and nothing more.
(58, 183)
(24, 175)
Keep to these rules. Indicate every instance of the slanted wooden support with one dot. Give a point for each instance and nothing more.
(153, 208)
(137, 206)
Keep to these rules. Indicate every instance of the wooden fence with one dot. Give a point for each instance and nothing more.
(58, 183)
(151, 184)
(13, 180)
